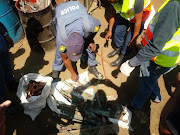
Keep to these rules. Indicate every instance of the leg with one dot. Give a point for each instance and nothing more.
(57, 65)
(119, 40)
(149, 74)
(92, 65)
(155, 95)
(119, 30)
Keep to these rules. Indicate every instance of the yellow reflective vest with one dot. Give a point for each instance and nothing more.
(126, 9)
(170, 54)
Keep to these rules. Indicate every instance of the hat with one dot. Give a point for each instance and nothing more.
(75, 45)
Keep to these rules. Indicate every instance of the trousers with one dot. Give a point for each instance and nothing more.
(149, 74)
(120, 28)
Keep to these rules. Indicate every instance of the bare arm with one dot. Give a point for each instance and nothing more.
(7, 38)
(137, 26)
(111, 22)
(68, 65)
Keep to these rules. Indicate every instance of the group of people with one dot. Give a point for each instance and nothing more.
(75, 30)
(160, 46)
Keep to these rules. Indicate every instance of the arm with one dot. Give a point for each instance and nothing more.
(3, 107)
(138, 9)
(68, 65)
(137, 26)
(111, 22)
(172, 104)
(6, 37)
(168, 23)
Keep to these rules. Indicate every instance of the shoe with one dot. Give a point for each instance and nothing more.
(114, 52)
(138, 117)
(55, 74)
(118, 61)
(156, 100)
(83, 62)
(94, 71)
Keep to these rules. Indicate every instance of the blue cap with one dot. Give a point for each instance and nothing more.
(75, 45)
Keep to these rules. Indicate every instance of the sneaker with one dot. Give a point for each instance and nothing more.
(156, 100)
(93, 70)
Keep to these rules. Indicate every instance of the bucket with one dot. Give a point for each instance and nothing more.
(10, 20)
(86, 3)
(44, 17)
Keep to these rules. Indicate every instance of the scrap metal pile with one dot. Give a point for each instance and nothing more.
(96, 116)
(34, 88)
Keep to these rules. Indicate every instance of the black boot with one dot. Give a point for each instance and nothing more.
(55, 76)
(118, 61)
(84, 61)
(114, 52)
(94, 71)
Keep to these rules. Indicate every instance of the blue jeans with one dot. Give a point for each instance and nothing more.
(120, 28)
(5, 68)
(149, 74)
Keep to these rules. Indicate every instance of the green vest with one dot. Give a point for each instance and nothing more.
(171, 51)
(126, 8)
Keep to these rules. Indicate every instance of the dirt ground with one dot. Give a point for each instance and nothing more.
(26, 60)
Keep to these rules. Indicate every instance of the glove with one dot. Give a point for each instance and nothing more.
(126, 69)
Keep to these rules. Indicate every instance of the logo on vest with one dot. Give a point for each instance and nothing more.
(69, 9)
(62, 48)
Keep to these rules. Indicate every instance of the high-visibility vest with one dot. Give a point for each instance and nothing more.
(170, 54)
(126, 9)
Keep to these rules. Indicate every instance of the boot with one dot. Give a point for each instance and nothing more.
(55, 76)
(94, 71)
(118, 61)
(83, 61)
(114, 52)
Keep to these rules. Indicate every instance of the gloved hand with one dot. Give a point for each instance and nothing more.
(126, 69)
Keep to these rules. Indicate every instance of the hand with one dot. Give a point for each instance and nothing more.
(3, 107)
(92, 47)
(132, 43)
(9, 41)
(108, 35)
(74, 77)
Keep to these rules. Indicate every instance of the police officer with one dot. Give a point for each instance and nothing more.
(75, 32)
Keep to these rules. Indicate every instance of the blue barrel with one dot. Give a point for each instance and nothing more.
(10, 20)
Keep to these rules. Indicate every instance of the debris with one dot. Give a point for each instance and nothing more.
(31, 6)
(34, 88)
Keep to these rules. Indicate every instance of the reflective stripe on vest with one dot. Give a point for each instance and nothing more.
(170, 54)
(127, 9)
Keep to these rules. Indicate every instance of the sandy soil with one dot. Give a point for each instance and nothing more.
(26, 60)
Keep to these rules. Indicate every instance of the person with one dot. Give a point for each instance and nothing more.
(6, 79)
(161, 52)
(126, 15)
(170, 115)
(3, 108)
(75, 32)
